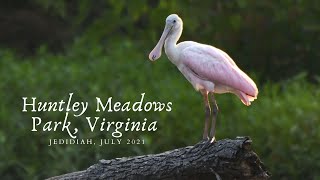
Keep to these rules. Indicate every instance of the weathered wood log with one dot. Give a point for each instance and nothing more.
(225, 159)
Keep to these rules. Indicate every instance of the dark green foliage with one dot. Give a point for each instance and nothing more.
(108, 57)
(283, 122)
(266, 36)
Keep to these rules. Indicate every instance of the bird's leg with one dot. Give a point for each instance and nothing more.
(215, 111)
(208, 112)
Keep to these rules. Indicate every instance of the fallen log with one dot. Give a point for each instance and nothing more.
(224, 159)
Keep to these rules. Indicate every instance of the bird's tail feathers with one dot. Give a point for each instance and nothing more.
(245, 98)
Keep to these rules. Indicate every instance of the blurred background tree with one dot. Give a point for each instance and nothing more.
(99, 48)
(268, 36)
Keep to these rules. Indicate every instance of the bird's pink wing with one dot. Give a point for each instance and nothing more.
(214, 65)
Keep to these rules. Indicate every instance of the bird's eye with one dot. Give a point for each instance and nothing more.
(174, 21)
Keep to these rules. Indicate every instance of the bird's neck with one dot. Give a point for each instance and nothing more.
(170, 46)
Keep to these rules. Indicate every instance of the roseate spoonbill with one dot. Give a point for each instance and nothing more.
(209, 69)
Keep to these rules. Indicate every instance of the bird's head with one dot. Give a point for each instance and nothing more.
(173, 24)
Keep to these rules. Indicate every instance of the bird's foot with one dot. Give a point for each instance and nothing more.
(204, 142)
(213, 140)
(205, 139)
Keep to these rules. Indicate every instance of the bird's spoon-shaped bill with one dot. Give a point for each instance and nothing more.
(156, 52)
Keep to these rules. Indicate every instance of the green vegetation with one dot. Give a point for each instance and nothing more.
(283, 122)
(274, 39)
(105, 54)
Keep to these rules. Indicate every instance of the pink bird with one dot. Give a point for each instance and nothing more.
(209, 70)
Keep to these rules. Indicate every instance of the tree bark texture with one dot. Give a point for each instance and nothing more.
(224, 159)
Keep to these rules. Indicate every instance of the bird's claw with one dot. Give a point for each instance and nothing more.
(205, 138)
(213, 140)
